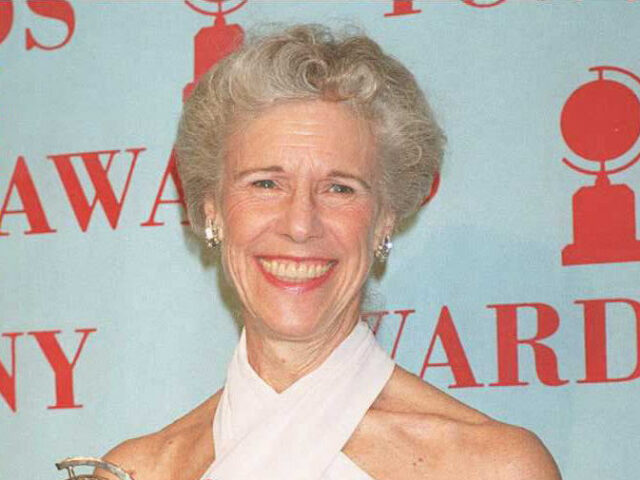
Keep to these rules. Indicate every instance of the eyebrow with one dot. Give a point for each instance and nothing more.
(276, 168)
(250, 171)
(340, 174)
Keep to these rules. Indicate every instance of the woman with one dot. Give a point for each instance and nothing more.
(300, 154)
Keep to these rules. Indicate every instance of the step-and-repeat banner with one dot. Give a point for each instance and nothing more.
(516, 289)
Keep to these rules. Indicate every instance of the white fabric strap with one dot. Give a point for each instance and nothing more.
(298, 433)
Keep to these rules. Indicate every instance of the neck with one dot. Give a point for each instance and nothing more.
(281, 362)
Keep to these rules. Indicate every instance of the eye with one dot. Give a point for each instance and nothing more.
(338, 188)
(268, 184)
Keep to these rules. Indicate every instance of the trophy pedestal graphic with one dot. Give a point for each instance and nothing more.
(600, 123)
(212, 44)
(604, 226)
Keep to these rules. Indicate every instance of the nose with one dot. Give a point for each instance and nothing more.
(301, 220)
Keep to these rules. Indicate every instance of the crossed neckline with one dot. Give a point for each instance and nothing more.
(310, 422)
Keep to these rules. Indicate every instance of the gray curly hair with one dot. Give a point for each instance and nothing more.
(309, 62)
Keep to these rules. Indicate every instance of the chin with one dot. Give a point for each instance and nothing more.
(293, 326)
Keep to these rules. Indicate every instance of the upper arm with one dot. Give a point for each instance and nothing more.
(526, 457)
(131, 455)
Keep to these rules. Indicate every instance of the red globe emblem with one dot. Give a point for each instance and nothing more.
(601, 120)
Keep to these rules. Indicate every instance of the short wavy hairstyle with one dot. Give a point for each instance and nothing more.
(309, 62)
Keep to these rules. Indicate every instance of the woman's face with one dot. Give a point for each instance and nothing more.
(300, 214)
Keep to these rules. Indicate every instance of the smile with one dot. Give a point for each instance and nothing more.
(300, 274)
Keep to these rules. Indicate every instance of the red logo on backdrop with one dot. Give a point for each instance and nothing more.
(600, 123)
(212, 44)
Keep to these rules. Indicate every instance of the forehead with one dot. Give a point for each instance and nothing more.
(295, 135)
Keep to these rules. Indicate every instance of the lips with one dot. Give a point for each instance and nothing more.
(297, 273)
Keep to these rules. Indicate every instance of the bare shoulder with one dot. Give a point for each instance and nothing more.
(161, 455)
(515, 452)
(415, 431)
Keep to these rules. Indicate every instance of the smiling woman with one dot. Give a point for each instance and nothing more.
(297, 214)
(300, 153)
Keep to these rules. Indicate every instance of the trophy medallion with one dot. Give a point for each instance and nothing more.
(600, 123)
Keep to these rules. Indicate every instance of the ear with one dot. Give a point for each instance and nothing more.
(211, 212)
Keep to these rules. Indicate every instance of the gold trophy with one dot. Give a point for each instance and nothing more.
(71, 463)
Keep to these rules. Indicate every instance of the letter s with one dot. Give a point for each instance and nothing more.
(6, 18)
(56, 9)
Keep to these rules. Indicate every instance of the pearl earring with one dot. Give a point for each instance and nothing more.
(211, 234)
(382, 251)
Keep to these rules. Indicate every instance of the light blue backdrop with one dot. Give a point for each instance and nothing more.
(497, 78)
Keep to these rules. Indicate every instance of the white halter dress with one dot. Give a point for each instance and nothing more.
(297, 434)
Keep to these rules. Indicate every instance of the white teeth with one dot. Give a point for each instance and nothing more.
(302, 270)
(295, 271)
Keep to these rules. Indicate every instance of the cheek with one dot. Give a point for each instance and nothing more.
(244, 218)
(354, 227)
(244, 221)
